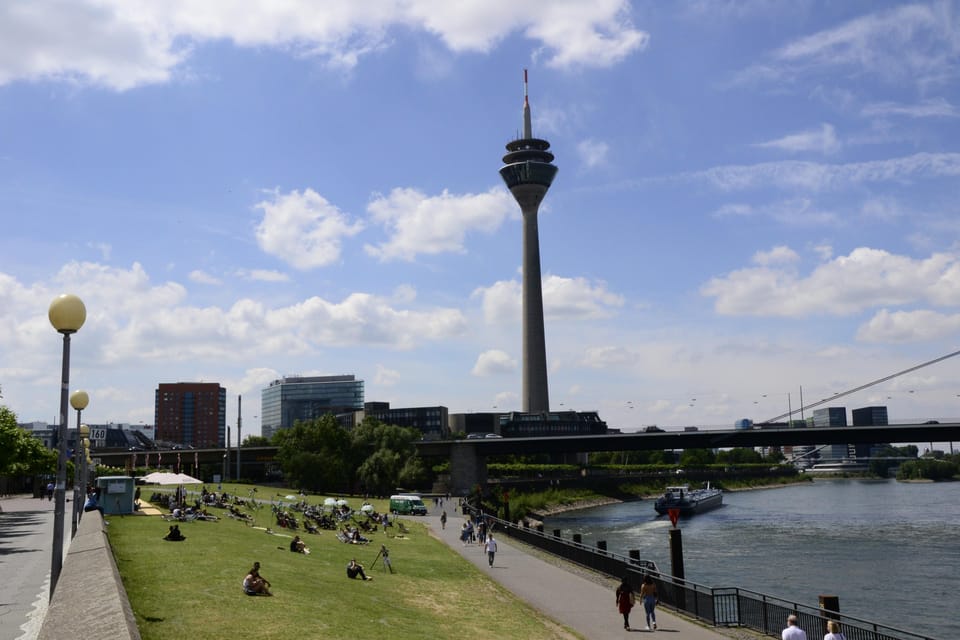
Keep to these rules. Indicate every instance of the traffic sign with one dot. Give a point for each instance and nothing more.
(674, 515)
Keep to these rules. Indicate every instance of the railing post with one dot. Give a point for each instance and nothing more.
(602, 545)
(556, 533)
(577, 538)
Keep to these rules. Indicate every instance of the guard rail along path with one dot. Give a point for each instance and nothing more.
(718, 606)
(90, 601)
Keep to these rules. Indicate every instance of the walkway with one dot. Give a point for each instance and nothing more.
(577, 602)
(26, 538)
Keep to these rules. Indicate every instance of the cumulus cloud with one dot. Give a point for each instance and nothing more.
(822, 140)
(122, 44)
(133, 320)
(303, 229)
(263, 275)
(563, 298)
(609, 356)
(777, 255)
(909, 326)
(421, 224)
(847, 284)
(202, 277)
(494, 362)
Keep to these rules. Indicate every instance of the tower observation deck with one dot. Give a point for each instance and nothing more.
(528, 173)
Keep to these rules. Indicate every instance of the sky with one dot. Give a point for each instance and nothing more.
(756, 201)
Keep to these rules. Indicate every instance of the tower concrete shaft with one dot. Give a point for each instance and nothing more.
(528, 172)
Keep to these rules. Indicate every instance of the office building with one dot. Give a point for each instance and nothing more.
(832, 417)
(305, 398)
(868, 417)
(191, 413)
(430, 421)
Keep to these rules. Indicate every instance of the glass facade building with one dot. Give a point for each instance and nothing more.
(305, 398)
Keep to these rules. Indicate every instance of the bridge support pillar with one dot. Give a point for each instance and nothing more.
(467, 469)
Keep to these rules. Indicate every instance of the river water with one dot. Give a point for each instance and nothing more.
(889, 550)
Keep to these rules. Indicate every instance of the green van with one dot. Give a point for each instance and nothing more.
(407, 504)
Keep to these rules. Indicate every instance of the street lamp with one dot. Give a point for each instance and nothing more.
(85, 452)
(79, 401)
(67, 314)
(79, 478)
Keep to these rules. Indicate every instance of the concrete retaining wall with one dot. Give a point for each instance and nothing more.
(90, 601)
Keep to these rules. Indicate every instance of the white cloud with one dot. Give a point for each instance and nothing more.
(815, 176)
(909, 326)
(823, 251)
(822, 140)
(777, 255)
(386, 377)
(794, 212)
(593, 153)
(303, 229)
(202, 277)
(609, 356)
(122, 44)
(931, 108)
(848, 284)
(563, 299)
(421, 224)
(263, 275)
(104, 248)
(883, 209)
(914, 42)
(494, 362)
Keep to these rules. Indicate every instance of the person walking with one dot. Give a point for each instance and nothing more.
(625, 601)
(793, 632)
(649, 597)
(491, 548)
(443, 520)
(833, 631)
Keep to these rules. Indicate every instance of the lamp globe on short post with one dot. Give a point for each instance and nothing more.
(86, 461)
(67, 314)
(79, 401)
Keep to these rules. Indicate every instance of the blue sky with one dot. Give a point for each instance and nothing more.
(753, 197)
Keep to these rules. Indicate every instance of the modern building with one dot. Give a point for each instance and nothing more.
(832, 417)
(431, 421)
(528, 172)
(868, 417)
(303, 398)
(191, 413)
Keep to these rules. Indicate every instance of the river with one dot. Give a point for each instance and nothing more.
(889, 550)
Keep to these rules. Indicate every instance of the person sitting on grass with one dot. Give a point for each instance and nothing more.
(254, 584)
(297, 545)
(355, 569)
(174, 534)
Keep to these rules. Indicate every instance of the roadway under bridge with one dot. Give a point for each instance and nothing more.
(468, 458)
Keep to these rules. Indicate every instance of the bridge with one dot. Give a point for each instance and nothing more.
(468, 458)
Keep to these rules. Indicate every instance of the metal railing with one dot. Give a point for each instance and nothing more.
(718, 606)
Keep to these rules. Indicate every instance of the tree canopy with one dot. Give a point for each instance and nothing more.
(320, 455)
(20, 452)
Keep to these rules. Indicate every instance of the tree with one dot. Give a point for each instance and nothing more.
(740, 455)
(20, 453)
(316, 455)
(696, 457)
(256, 441)
(386, 456)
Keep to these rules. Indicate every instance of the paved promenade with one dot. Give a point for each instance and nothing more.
(579, 603)
(26, 538)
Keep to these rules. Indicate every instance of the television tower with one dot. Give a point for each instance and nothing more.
(528, 173)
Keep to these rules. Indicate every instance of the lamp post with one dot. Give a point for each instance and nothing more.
(86, 456)
(67, 314)
(79, 401)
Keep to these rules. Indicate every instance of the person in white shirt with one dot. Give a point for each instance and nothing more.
(491, 547)
(793, 632)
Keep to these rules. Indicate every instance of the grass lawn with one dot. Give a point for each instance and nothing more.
(192, 588)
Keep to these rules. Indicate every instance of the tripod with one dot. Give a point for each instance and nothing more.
(385, 554)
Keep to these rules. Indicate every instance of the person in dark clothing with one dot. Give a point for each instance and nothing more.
(355, 569)
(625, 601)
